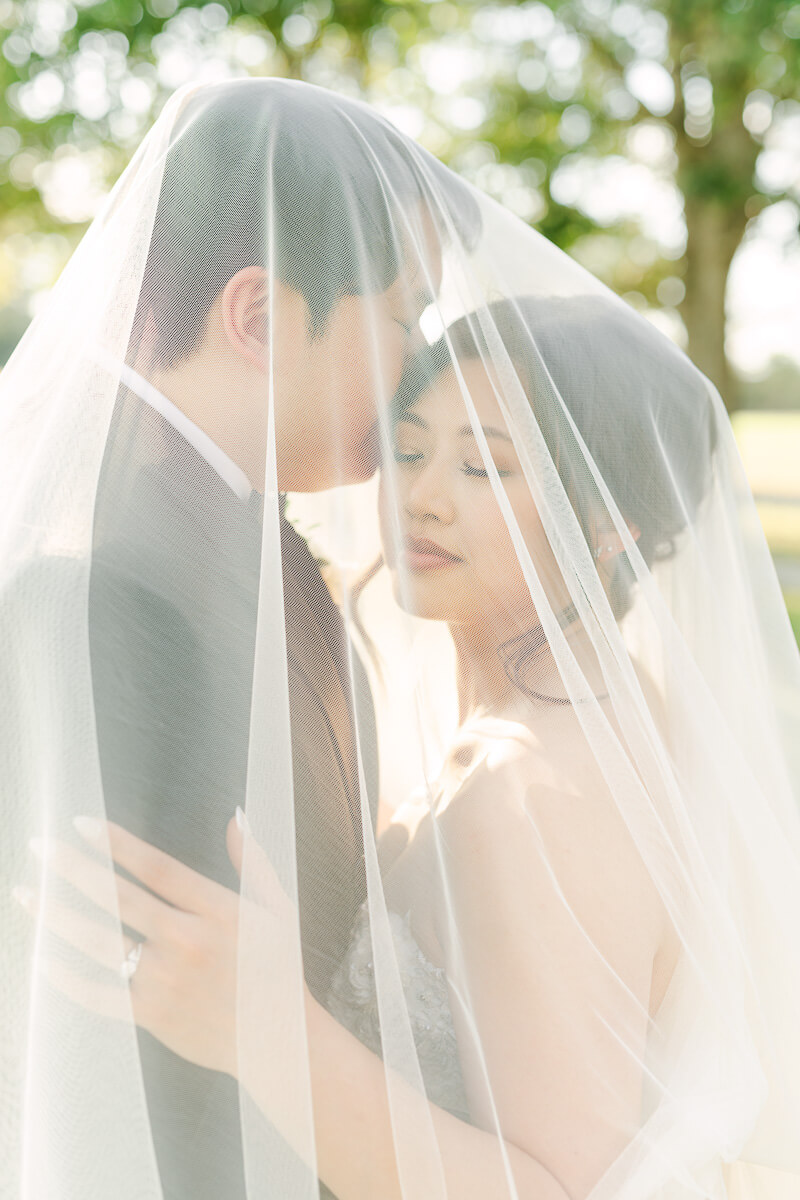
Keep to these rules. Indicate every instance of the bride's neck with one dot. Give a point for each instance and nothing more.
(484, 670)
(482, 682)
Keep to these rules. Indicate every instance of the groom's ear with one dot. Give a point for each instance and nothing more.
(244, 305)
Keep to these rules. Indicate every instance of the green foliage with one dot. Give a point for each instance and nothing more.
(778, 389)
(549, 89)
(792, 599)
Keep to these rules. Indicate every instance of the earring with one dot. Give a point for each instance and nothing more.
(598, 550)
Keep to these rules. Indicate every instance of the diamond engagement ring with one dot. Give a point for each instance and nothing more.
(131, 961)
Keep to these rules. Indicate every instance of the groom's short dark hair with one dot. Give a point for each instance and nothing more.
(320, 166)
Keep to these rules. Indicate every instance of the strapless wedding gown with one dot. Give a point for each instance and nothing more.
(352, 1000)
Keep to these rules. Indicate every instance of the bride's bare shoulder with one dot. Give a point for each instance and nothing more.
(538, 796)
(497, 760)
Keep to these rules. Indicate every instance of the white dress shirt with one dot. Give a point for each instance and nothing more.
(224, 466)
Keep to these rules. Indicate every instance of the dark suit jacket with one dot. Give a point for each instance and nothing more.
(172, 622)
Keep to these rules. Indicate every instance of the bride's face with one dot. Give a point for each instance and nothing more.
(452, 557)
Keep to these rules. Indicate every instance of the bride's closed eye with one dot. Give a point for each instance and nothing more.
(481, 473)
(407, 457)
(401, 456)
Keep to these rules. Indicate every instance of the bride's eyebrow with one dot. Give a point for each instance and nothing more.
(413, 419)
(489, 431)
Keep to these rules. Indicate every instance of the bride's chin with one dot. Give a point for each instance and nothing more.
(418, 602)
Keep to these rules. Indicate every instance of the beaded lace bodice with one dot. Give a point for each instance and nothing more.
(352, 1000)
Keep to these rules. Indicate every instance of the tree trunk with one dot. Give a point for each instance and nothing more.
(714, 233)
(716, 179)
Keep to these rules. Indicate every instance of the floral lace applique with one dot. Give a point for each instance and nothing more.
(352, 1000)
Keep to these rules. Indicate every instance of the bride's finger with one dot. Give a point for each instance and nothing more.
(258, 875)
(182, 886)
(234, 840)
(117, 896)
(107, 1000)
(101, 943)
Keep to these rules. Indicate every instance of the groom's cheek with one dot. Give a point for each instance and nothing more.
(365, 459)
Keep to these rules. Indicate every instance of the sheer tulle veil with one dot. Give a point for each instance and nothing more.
(330, 489)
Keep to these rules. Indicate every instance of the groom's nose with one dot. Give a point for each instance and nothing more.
(416, 342)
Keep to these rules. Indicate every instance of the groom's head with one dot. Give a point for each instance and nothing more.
(297, 239)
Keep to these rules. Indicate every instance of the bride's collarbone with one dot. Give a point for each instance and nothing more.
(408, 853)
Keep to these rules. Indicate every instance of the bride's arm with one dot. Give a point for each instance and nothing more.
(353, 1134)
(550, 935)
(353, 1128)
(565, 1096)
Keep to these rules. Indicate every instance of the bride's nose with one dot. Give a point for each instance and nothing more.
(429, 496)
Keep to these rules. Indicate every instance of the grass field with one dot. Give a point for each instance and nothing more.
(793, 604)
(769, 443)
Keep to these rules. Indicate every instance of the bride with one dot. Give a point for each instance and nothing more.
(520, 801)
(571, 966)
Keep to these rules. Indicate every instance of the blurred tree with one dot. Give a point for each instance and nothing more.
(641, 135)
(735, 73)
(695, 104)
(777, 389)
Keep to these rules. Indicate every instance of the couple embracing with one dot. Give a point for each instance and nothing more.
(556, 972)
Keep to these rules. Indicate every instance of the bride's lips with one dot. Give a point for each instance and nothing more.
(421, 554)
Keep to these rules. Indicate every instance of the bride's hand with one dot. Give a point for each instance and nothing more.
(184, 988)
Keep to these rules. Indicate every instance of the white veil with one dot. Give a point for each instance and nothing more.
(547, 631)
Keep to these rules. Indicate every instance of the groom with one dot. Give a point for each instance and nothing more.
(178, 522)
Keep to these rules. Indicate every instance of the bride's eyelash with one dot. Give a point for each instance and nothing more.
(466, 468)
(481, 474)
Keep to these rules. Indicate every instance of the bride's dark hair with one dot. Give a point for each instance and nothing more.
(638, 404)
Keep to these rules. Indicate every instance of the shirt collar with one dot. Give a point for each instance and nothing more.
(225, 467)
